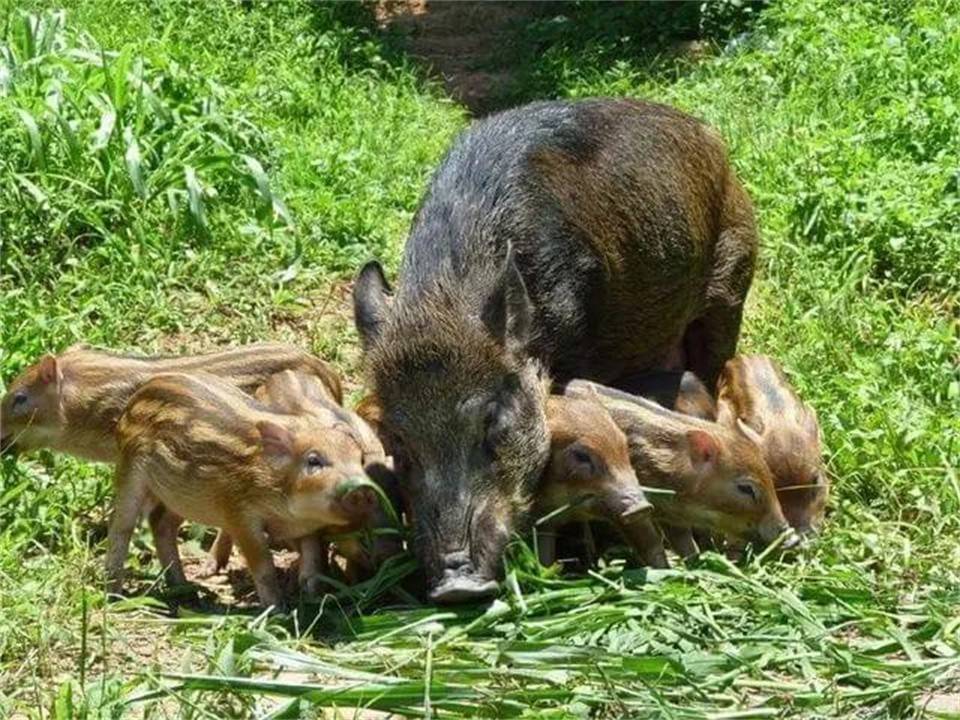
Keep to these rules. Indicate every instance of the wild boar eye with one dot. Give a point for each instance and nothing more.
(19, 399)
(582, 457)
(747, 489)
(497, 424)
(316, 460)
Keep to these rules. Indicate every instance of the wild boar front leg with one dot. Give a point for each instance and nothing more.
(130, 493)
(254, 545)
(165, 524)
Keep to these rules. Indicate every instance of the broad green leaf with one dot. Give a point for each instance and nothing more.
(102, 135)
(35, 140)
(195, 196)
(132, 159)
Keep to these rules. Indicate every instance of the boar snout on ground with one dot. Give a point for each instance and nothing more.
(465, 413)
(595, 238)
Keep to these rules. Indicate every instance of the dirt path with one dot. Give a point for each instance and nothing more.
(461, 42)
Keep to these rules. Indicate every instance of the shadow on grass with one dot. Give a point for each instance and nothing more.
(493, 55)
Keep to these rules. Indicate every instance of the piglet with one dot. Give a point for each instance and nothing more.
(754, 394)
(718, 478)
(214, 455)
(589, 470)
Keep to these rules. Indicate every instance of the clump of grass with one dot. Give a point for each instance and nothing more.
(114, 145)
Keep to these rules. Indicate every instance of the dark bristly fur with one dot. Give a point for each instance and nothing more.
(593, 238)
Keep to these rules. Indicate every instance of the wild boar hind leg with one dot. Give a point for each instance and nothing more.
(710, 341)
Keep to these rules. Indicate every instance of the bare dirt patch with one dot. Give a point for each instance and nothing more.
(460, 42)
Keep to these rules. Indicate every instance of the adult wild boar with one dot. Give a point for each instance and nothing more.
(592, 239)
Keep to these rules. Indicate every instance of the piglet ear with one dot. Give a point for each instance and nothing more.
(48, 370)
(704, 449)
(753, 430)
(275, 439)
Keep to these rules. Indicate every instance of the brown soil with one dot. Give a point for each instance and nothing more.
(461, 42)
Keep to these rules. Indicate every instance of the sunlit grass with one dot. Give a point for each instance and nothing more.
(841, 119)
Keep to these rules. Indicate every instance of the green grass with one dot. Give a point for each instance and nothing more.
(843, 121)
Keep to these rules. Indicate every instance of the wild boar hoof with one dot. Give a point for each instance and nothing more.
(461, 589)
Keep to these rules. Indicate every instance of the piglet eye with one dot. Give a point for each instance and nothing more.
(747, 489)
(19, 399)
(316, 460)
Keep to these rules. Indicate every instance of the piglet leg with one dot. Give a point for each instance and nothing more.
(547, 545)
(644, 538)
(357, 565)
(219, 556)
(255, 547)
(131, 492)
(165, 524)
(313, 563)
(681, 540)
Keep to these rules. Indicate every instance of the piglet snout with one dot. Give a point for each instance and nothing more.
(361, 500)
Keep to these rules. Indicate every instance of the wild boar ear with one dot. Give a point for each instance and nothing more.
(48, 370)
(371, 302)
(275, 439)
(704, 449)
(508, 311)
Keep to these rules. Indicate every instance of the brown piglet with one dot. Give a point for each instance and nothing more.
(718, 478)
(214, 455)
(297, 393)
(754, 393)
(589, 470)
(71, 402)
